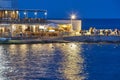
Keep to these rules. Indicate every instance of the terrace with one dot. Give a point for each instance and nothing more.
(20, 16)
(23, 21)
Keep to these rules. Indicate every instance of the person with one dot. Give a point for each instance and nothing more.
(20, 34)
(91, 30)
(94, 31)
(81, 32)
(116, 31)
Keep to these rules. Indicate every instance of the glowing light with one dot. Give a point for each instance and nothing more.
(41, 27)
(13, 12)
(6, 12)
(35, 13)
(17, 12)
(51, 30)
(73, 16)
(45, 13)
(24, 27)
(25, 13)
(64, 25)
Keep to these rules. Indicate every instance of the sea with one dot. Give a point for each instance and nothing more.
(101, 23)
(62, 61)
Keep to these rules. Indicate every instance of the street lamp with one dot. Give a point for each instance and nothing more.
(73, 16)
(35, 13)
(18, 14)
(25, 14)
(45, 15)
(6, 14)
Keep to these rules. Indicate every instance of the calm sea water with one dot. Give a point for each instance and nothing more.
(60, 61)
(101, 23)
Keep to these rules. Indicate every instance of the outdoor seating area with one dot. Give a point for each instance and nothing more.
(94, 31)
(24, 20)
(30, 31)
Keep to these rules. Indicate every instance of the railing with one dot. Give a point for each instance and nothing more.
(23, 20)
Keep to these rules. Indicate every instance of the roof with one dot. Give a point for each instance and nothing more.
(29, 10)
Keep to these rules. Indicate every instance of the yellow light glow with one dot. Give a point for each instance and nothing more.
(64, 25)
(13, 12)
(24, 27)
(6, 12)
(70, 62)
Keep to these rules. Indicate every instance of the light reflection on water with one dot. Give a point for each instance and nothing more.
(41, 62)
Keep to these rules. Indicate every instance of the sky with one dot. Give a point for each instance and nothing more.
(82, 8)
(4, 3)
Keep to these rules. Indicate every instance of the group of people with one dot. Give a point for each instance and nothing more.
(94, 31)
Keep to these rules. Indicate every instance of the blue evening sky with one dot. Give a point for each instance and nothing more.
(83, 8)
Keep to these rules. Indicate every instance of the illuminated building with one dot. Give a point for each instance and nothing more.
(14, 21)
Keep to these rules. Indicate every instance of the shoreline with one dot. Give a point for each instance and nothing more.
(68, 39)
(32, 41)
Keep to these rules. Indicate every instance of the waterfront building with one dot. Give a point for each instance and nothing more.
(16, 22)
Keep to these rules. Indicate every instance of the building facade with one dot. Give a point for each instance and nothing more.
(16, 22)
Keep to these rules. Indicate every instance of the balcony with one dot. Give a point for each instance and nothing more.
(23, 20)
